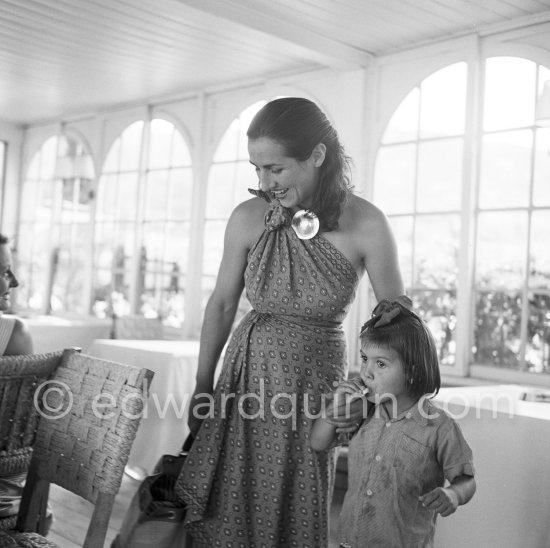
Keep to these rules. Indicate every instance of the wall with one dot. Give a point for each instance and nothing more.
(511, 446)
(13, 136)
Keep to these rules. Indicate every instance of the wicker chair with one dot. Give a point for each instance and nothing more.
(88, 424)
(19, 378)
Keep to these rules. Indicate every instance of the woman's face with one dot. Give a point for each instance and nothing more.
(291, 182)
(7, 279)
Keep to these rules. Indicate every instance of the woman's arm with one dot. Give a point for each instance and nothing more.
(379, 251)
(20, 341)
(222, 305)
(322, 435)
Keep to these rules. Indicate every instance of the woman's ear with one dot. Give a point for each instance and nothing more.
(318, 154)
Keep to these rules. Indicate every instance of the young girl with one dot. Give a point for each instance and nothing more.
(406, 447)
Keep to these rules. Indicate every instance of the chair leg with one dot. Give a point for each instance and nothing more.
(32, 516)
(99, 521)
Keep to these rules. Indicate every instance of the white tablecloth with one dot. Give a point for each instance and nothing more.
(164, 425)
(52, 333)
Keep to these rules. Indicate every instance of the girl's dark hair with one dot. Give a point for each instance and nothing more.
(299, 125)
(409, 336)
(3, 239)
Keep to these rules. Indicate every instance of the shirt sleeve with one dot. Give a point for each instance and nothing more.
(453, 452)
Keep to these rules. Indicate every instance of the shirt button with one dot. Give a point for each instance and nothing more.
(388, 424)
(369, 492)
(408, 415)
(378, 458)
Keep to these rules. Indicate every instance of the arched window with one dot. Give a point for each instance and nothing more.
(418, 184)
(142, 224)
(115, 224)
(229, 178)
(431, 178)
(54, 237)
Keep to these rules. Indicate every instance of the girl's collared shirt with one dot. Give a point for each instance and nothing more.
(391, 462)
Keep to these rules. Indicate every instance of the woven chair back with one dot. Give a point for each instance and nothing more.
(96, 410)
(20, 378)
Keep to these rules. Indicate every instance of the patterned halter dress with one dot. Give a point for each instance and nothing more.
(251, 479)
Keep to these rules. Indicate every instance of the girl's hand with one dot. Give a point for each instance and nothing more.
(441, 500)
(347, 406)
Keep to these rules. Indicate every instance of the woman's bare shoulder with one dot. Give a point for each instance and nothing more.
(247, 219)
(362, 214)
(20, 341)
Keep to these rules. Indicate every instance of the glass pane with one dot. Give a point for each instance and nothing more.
(127, 192)
(403, 125)
(497, 328)
(160, 143)
(180, 151)
(219, 200)
(156, 194)
(539, 266)
(131, 147)
(537, 353)
(501, 249)
(229, 144)
(394, 178)
(436, 251)
(506, 169)
(153, 241)
(438, 310)
(541, 185)
(29, 199)
(177, 245)
(402, 228)
(106, 197)
(213, 246)
(181, 193)
(48, 158)
(246, 178)
(439, 175)
(244, 120)
(509, 99)
(443, 102)
(113, 158)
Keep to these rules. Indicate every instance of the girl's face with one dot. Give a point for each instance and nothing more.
(291, 182)
(382, 371)
(7, 279)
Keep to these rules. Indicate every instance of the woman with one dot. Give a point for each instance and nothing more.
(14, 336)
(299, 248)
(14, 339)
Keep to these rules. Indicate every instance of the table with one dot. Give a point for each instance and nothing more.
(164, 424)
(52, 333)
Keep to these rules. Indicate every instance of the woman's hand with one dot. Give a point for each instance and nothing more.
(200, 408)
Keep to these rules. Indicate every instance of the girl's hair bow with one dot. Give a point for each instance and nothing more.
(386, 311)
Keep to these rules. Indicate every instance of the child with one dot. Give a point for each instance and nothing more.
(406, 448)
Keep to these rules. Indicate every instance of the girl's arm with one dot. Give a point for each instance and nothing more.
(343, 415)
(445, 500)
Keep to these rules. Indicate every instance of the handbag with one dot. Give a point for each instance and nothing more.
(155, 516)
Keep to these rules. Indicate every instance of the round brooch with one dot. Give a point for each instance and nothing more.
(305, 223)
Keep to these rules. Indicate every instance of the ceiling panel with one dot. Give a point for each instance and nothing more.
(63, 57)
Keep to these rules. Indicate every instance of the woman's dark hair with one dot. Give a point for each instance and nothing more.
(409, 336)
(4, 239)
(299, 125)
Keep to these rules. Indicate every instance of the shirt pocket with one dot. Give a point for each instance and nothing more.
(412, 466)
